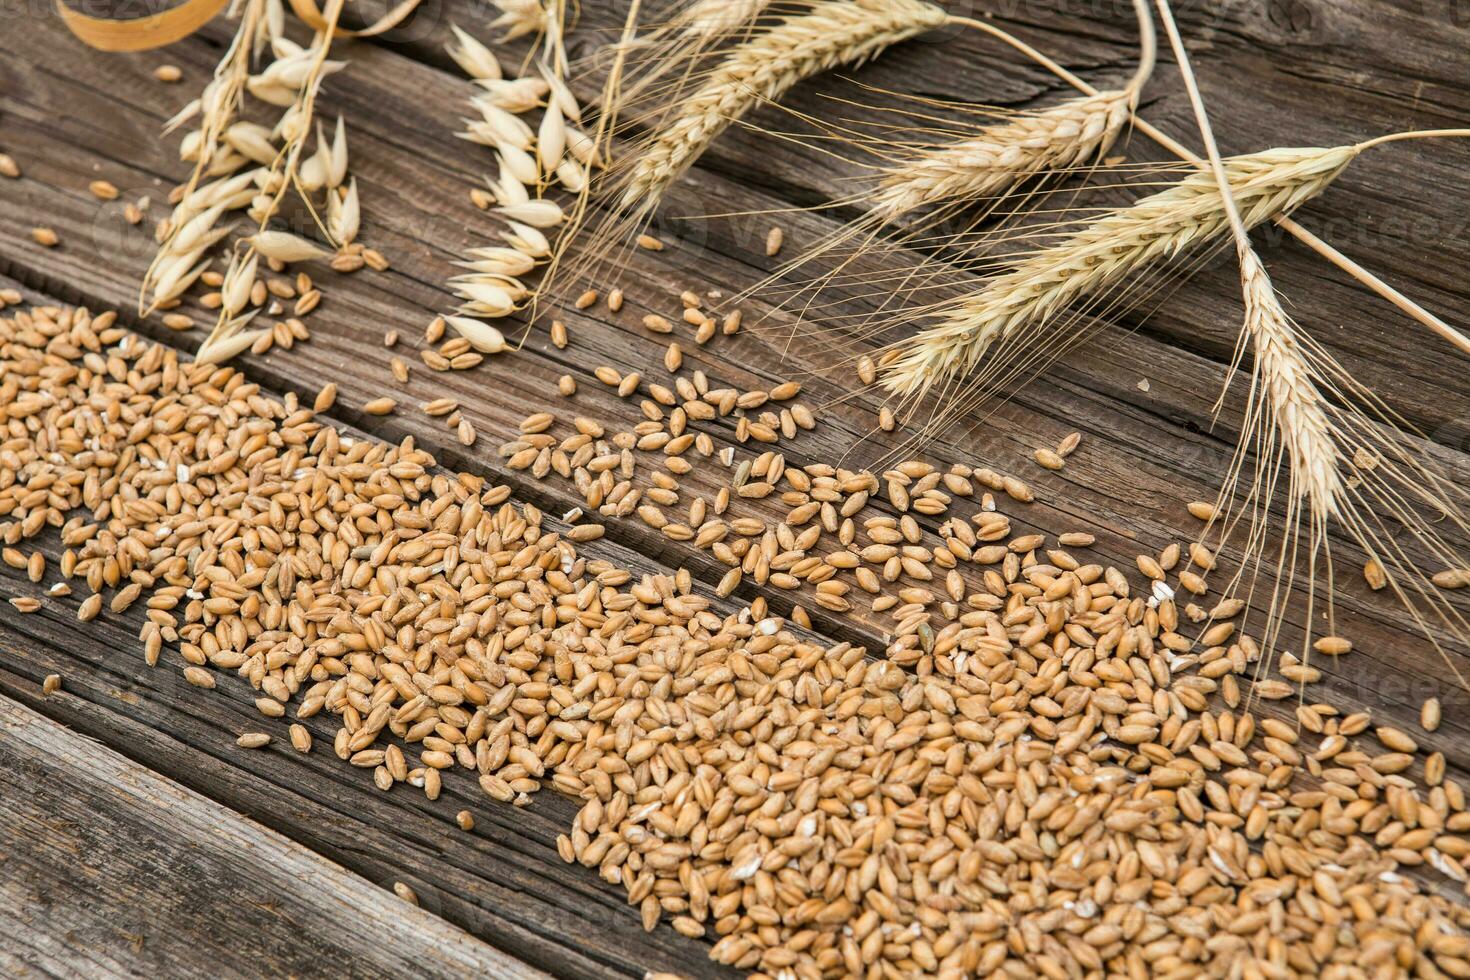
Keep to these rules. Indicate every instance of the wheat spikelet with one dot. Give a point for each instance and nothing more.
(763, 69)
(1105, 253)
(986, 165)
(1296, 404)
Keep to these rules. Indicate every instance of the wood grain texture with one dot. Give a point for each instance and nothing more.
(108, 869)
(1299, 71)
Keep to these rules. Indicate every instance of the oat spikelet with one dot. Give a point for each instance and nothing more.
(1105, 253)
(831, 33)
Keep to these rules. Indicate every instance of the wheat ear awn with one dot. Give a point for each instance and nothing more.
(675, 46)
(1108, 251)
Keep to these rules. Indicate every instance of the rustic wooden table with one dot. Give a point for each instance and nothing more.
(136, 838)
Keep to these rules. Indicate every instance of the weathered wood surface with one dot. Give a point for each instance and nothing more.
(1280, 73)
(110, 869)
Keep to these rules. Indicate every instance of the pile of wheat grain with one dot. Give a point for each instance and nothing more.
(1054, 790)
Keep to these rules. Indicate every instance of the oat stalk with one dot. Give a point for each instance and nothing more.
(224, 340)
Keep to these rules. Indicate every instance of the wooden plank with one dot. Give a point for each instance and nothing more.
(108, 869)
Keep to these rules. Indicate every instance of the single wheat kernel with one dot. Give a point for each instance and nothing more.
(45, 237)
(178, 321)
(325, 398)
(167, 73)
(434, 332)
(774, 238)
(615, 300)
(886, 420)
(1452, 578)
(465, 819)
(1069, 443)
(51, 685)
(103, 190)
(1049, 459)
(406, 893)
(1430, 714)
(586, 299)
(567, 385)
(731, 324)
(1396, 740)
(657, 324)
(559, 334)
(1374, 574)
(8, 166)
(300, 738)
(253, 740)
(1333, 646)
(380, 406)
(649, 243)
(1201, 510)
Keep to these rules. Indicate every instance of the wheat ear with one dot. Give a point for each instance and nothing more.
(761, 67)
(986, 165)
(1322, 439)
(992, 161)
(1105, 253)
(831, 33)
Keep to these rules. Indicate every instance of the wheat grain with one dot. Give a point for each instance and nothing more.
(1105, 253)
(762, 69)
